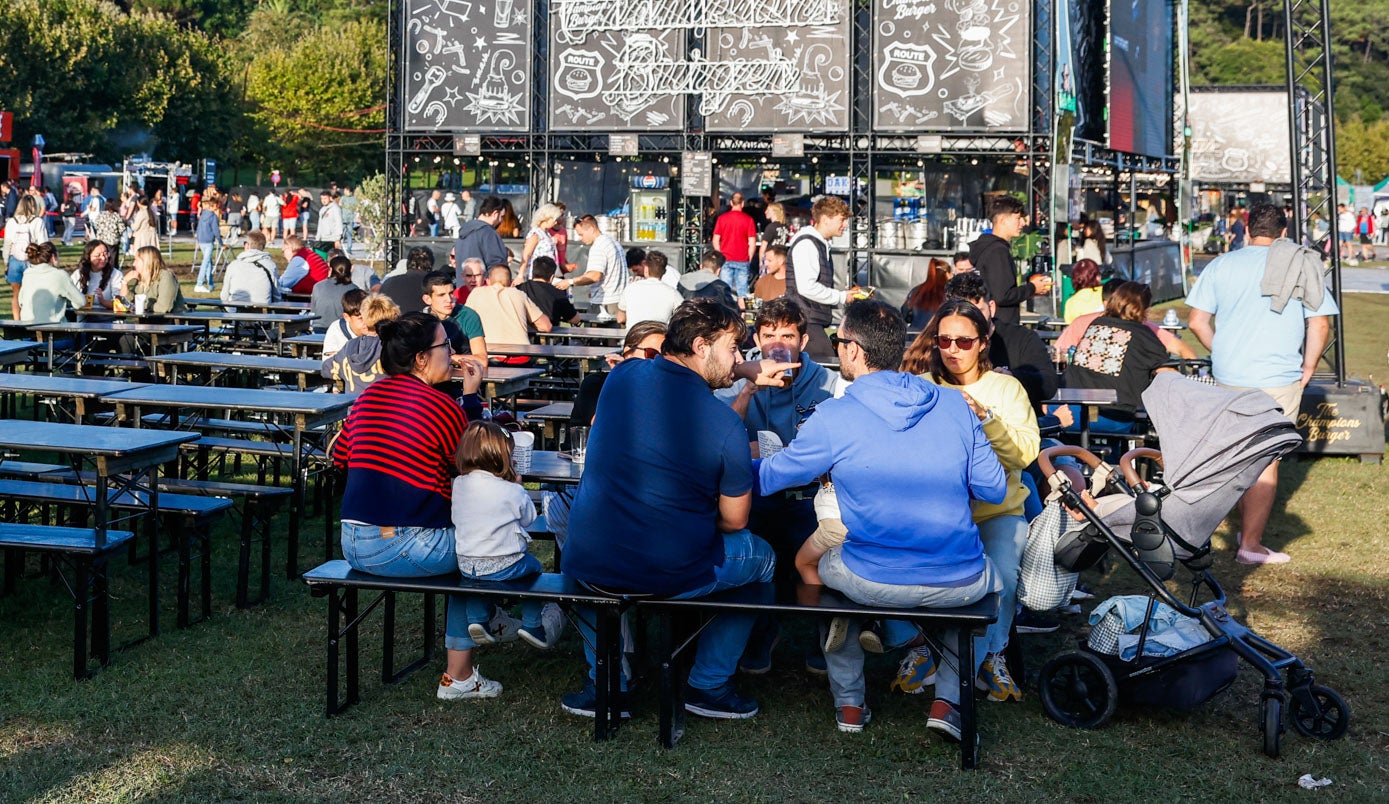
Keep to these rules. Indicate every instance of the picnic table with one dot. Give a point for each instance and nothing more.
(161, 337)
(310, 344)
(250, 329)
(128, 458)
(287, 307)
(505, 382)
(13, 330)
(596, 336)
(582, 356)
(214, 365)
(553, 467)
(552, 419)
(598, 320)
(1088, 399)
(303, 417)
(71, 395)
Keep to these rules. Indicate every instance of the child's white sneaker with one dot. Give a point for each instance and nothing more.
(501, 628)
(547, 633)
(475, 686)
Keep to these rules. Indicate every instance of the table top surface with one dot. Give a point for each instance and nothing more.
(585, 333)
(556, 350)
(307, 339)
(297, 365)
(598, 319)
(511, 373)
(278, 307)
(119, 326)
(86, 438)
(254, 318)
(553, 467)
(210, 397)
(63, 386)
(1085, 396)
(556, 410)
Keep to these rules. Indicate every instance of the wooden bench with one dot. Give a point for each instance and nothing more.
(257, 510)
(193, 517)
(813, 601)
(338, 581)
(340, 584)
(90, 588)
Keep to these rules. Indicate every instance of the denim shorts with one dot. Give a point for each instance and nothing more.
(14, 272)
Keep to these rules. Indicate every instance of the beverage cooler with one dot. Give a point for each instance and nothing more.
(650, 209)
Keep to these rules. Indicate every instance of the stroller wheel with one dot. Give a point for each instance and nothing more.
(1272, 712)
(1327, 721)
(1078, 690)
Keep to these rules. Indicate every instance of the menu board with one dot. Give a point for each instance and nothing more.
(618, 65)
(775, 65)
(951, 64)
(467, 65)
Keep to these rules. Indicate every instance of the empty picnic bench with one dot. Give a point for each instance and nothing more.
(87, 553)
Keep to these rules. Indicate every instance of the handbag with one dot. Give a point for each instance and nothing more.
(1042, 585)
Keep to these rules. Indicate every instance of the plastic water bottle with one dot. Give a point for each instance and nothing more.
(1071, 355)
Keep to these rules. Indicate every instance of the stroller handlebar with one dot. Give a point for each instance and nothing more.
(1126, 465)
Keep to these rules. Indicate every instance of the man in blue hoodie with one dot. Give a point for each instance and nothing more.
(784, 518)
(906, 457)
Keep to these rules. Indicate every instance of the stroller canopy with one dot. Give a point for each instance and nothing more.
(1215, 442)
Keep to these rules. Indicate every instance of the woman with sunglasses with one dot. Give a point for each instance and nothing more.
(398, 447)
(953, 351)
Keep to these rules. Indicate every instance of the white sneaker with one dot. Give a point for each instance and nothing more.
(501, 628)
(551, 626)
(201, 289)
(475, 686)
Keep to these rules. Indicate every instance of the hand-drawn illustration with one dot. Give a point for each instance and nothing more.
(961, 63)
(1239, 137)
(467, 65)
(770, 64)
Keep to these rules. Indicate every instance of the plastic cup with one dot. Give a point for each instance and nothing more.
(140, 301)
(521, 445)
(578, 444)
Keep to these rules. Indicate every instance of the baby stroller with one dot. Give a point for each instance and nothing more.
(1216, 442)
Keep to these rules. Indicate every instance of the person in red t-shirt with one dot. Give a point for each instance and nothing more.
(735, 235)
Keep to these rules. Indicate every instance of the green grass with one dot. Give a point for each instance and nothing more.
(232, 708)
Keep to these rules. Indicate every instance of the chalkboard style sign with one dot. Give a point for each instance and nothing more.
(777, 64)
(951, 64)
(619, 65)
(467, 65)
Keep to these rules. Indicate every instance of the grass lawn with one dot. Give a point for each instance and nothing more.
(232, 708)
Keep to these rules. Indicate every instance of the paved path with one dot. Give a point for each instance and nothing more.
(1364, 280)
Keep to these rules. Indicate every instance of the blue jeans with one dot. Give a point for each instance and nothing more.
(410, 553)
(1004, 538)
(347, 238)
(746, 559)
(205, 270)
(846, 664)
(735, 275)
(434, 229)
(480, 608)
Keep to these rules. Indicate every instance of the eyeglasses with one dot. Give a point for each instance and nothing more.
(444, 344)
(944, 341)
(648, 352)
(838, 341)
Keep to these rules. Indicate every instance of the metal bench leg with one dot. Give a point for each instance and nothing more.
(672, 699)
(205, 542)
(607, 673)
(101, 611)
(80, 592)
(185, 561)
(969, 728)
(334, 704)
(243, 557)
(353, 649)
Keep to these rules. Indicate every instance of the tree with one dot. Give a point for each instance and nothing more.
(321, 100)
(90, 78)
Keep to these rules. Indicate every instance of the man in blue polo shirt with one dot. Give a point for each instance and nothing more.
(664, 502)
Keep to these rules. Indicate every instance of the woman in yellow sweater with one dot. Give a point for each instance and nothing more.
(958, 357)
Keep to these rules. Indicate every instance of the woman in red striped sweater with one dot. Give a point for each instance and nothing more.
(398, 448)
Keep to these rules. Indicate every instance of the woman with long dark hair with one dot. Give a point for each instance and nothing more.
(97, 275)
(1092, 243)
(956, 355)
(398, 447)
(1118, 351)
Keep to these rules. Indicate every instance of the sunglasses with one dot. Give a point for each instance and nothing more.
(647, 352)
(838, 341)
(944, 341)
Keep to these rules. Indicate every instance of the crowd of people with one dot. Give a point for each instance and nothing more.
(708, 467)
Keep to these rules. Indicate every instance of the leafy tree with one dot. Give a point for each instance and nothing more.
(321, 98)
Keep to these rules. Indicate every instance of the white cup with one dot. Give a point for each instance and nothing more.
(521, 445)
(140, 301)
